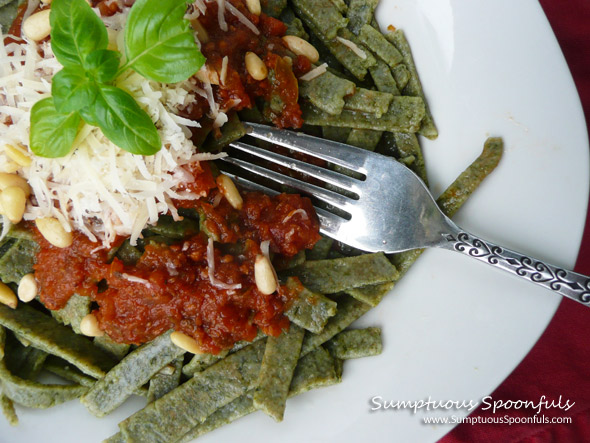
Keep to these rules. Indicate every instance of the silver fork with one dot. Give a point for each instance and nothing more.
(389, 209)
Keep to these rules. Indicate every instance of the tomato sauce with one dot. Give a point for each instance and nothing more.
(173, 286)
(202, 288)
(239, 90)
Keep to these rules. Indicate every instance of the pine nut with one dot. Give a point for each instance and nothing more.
(7, 180)
(264, 275)
(53, 231)
(207, 74)
(89, 326)
(255, 67)
(7, 296)
(230, 192)
(37, 26)
(254, 6)
(185, 342)
(14, 202)
(301, 47)
(27, 288)
(18, 155)
(202, 33)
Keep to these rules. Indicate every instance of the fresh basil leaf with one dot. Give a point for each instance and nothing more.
(72, 90)
(160, 43)
(123, 122)
(76, 31)
(103, 65)
(52, 133)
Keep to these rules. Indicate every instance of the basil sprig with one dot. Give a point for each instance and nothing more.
(159, 44)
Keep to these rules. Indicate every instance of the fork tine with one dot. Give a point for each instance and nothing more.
(329, 223)
(342, 181)
(333, 152)
(329, 197)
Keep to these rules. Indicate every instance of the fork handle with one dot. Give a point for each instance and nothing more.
(567, 283)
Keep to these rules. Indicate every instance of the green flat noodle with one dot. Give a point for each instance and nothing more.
(372, 294)
(118, 350)
(7, 407)
(177, 412)
(458, 192)
(327, 92)
(46, 334)
(274, 8)
(332, 276)
(230, 132)
(282, 263)
(322, 14)
(335, 134)
(276, 372)
(315, 370)
(36, 395)
(63, 369)
(404, 115)
(135, 370)
(17, 259)
(200, 362)
(356, 343)
(383, 78)
(72, 314)
(321, 249)
(364, 138)
(340, 5)
(453, 198)
(309, 310)
(295, 27)
(380, 46)
(370, 102)
(414, 86)
(7, 14)
(342, 53)
(402, 75)
(176, 230)
(360, 12)
(162, 382)
(400, 145)
(25, 362)
(349, 310)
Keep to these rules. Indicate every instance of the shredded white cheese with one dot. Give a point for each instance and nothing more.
(134, 279)
(98, 189)
(314, 73)
(242, 18)
(223, 73)
(221, 5)
(353, 47)
(293, 213)
(211, 270)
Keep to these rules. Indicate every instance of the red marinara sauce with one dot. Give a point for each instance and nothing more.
(238, 90)
(173, 286)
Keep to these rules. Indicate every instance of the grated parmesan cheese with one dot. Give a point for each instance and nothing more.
(314, 73)
(98, 188)
(353, 47)
(242, 18)
(211, 270)
(293, 213)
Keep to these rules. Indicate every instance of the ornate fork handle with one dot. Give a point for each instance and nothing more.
(567, 283)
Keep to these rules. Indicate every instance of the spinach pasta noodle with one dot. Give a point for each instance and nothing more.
(146, 280)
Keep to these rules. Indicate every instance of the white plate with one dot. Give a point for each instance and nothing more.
(453, 328)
